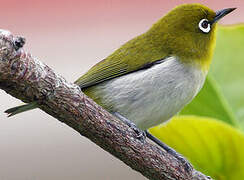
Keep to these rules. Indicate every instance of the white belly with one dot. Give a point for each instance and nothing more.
(152, 96)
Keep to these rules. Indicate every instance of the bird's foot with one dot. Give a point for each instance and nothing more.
(141, 135)
(186, 164)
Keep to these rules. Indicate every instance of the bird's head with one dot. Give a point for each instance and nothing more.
(188, 31)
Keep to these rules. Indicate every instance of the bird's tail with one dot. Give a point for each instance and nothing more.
(20, 109)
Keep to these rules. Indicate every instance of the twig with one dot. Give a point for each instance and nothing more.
(28, 79)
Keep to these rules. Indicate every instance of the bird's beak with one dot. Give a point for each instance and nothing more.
(222, 13)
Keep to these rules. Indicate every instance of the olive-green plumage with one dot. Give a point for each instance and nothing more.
(176, 33)
(151, 77)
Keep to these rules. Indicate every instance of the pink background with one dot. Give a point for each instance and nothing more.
(71, 36)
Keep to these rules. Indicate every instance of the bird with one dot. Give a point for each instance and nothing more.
(152, 77)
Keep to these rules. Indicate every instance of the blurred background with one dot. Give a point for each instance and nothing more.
(71, 36)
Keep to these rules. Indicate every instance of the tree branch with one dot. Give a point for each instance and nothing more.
(28, 79)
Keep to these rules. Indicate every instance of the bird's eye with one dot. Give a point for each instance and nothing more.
(204, 26)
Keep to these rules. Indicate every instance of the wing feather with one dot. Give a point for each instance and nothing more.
(137, 54)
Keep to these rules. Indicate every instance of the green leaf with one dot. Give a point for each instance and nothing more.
(210, 103)
(222, 96)
(227, 67)
(213, 147)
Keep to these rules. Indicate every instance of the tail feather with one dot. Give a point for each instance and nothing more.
(19, 109)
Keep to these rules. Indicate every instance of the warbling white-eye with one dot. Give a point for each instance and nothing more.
(153, 76)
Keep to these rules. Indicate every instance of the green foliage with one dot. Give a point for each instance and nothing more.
(227, 67)
(210, 103)
(212, 146)
(211, 139)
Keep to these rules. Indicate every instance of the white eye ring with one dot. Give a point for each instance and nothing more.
(202, 26)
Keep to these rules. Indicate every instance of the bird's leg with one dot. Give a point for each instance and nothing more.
(171, 151)
(140, 134)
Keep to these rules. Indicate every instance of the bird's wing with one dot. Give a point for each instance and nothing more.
(106, 70)
(125, 60)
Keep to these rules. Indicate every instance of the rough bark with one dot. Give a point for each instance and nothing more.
(28, 79)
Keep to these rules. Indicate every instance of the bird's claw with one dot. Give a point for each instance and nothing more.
(141, 135)
(187, 166)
